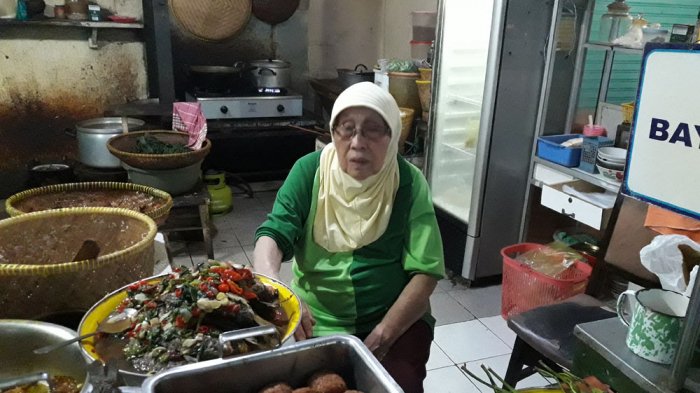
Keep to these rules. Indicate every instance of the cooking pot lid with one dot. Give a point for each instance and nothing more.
(107, 125)
(270, 63)
(50, 168)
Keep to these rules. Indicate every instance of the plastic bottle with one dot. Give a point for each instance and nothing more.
(22, 13)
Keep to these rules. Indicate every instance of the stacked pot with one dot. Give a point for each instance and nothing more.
(93, 135)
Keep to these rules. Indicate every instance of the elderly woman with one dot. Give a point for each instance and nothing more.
(359, 222)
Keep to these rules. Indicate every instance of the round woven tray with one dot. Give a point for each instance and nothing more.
(212, 20)
(14, 205)
(38, 276)
(124, 146)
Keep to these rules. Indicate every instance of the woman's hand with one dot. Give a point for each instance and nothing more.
(408, 308)
(379, 341)
(306, 327)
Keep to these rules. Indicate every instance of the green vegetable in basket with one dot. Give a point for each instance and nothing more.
(148, 144)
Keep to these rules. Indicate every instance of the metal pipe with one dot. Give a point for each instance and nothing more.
(578, 68)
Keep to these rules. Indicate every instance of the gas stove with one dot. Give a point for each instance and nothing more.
(262, 105)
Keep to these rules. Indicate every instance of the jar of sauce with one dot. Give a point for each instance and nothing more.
(76, 9)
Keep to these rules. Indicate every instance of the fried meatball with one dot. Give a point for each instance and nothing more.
(279, 387)
(304, 390)
(327, 382)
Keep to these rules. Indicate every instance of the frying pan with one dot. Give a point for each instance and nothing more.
(274, 11)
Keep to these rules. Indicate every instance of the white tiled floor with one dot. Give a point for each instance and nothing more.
(469, 333)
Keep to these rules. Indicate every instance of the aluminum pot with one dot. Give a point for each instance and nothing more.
(19, 337)
(271, 73)
(93, 135)
(348, 77)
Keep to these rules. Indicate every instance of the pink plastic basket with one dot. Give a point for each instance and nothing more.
(524, 288)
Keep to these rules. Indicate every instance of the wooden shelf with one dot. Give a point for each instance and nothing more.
(71, 23)
(93, 26)
(593, 178)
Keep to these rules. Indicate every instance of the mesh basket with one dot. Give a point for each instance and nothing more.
(524, 288)
(589, 151)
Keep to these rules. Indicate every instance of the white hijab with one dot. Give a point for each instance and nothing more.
(351, 213)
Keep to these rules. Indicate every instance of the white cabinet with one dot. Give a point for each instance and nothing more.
(559, 198)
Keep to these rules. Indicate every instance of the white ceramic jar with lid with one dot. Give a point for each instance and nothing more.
(615, 22)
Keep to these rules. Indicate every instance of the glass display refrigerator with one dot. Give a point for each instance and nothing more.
(488, 64)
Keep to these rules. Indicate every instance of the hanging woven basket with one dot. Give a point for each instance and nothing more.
(212, 20)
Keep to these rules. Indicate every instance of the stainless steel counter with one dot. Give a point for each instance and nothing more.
(607, 339)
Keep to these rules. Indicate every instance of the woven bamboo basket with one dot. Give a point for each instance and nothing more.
(43, 198)
(124, 148)
(38, 277)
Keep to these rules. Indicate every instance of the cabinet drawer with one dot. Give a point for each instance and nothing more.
(582, 211)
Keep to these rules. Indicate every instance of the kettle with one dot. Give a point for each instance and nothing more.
(220, 193)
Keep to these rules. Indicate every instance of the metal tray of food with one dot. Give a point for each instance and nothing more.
(292, 364)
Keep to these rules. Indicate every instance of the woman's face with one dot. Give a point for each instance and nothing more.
(361, 139)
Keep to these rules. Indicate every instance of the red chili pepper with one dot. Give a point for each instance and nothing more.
(203, 287)
(246, 274)
(210, 294)
(151, 304)
(203, 329)
(180, 322)
(223, 287)
(134, 287)
(231, 275)
(178, 292)
(123, 305)
(249, 295)
(233, 308)
(177, 270)
(233, 287)
(195, 312)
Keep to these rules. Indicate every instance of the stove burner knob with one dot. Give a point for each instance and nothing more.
(223, 109)
(280, 108)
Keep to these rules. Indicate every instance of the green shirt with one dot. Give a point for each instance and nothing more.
(350, 292)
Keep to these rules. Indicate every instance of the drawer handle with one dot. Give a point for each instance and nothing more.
(571, 200)
(572, 215)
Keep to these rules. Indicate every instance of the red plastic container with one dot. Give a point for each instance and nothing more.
(524, 288)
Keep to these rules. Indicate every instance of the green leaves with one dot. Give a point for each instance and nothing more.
(148, 144)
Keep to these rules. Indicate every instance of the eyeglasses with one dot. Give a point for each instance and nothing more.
(346, 131)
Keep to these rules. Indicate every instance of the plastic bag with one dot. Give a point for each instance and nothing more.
(553, 259)
(663, 258)
(401, 65)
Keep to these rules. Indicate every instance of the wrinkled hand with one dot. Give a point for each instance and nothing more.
(379, 342)
(306, 327)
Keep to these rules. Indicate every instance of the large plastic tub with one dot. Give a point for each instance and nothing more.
(173, 181)
(550, 149)
(524, 288)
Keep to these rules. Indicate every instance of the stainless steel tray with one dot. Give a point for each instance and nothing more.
(293, 364)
